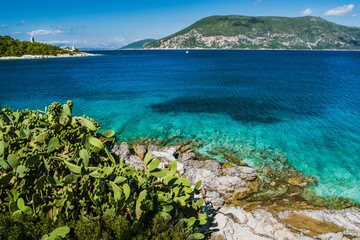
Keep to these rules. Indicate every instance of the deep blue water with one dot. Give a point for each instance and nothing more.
(303, 104)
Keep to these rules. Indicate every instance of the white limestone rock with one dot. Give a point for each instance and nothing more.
(214, 199)
(153, 148)
(180, 168)
(213, 166)
(258, 224)
(191, 164)
(171, 149)
(122, 150)
(163, 156)
(136, 162)
(186, 156)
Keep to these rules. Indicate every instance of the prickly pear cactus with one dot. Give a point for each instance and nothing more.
(52, 162)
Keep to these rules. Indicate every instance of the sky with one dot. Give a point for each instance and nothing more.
(112, 24)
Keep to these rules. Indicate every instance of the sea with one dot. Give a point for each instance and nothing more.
(302, 106)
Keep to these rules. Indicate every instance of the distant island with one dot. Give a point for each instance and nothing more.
(138, 44)
(245, 32)
(11, 48)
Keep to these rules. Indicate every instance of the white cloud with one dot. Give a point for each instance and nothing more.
(3, 25)
(354, 15)
(306, 12)
(257, 1)
(15, 33)
(44, 32)
(339, 11)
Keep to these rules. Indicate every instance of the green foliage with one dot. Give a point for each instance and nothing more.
(163, 230)
(104, 228)
(59, 232)
(54, 164)
(26, 226)
(12, 47)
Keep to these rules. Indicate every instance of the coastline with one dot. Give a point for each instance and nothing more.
(241, 205)
(48, 56)
(275, 181)
(249, 49)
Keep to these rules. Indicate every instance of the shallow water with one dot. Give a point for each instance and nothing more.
(304, 104)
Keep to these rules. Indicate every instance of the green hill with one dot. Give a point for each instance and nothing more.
(262, 33)
(17, 48)
(138, 44)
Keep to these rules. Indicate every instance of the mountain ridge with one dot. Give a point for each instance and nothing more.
(246, 32)
(138, 44)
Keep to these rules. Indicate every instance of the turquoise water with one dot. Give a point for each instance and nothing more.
(305, 105)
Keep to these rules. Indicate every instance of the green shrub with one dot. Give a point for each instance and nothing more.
(163, 230)
(28, 227)
(57, 165)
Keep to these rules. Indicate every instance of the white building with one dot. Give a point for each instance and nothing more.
(32, 39)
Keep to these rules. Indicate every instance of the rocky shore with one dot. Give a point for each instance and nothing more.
(48, 56)
(242, 205)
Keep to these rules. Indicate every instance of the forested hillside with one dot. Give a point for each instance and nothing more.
(13, 47)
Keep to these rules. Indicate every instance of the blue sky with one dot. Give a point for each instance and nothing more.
(111, 24)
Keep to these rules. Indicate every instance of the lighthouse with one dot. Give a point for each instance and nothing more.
(32, 39)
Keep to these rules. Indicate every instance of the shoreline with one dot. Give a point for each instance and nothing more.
(24, 57)
(278, 178)
(248, 49)
(227, 187)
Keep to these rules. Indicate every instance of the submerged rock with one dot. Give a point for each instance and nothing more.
(297, 182)
(246, 173)
(240, 193)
